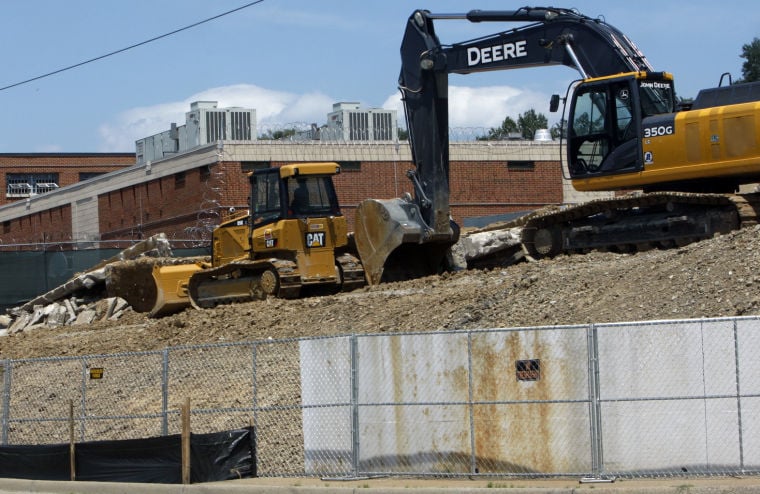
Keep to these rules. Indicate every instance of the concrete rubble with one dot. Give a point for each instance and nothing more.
(81, 299)
(68, 312)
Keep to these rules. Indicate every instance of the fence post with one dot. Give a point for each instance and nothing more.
(597, 458)
(83, 408)
(354, 404)
(72, 442)
(473, 455)
(165, 393)
(738, 396)
(185, 413)
(7, 380)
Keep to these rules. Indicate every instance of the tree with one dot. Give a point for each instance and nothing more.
(526, 126)
(508, 126)
(559, 129)
(530, 121)
(278, 134)
(751, 65)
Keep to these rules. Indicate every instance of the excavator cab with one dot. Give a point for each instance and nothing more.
(608, 119)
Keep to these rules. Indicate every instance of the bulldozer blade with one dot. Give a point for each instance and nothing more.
(394, 244)
(171, 288)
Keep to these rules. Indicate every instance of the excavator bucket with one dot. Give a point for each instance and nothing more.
(171, 288)
(394, 244)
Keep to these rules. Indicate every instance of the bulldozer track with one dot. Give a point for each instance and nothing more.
(241, 281)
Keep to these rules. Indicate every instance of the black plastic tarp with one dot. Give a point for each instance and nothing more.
(155, 460)
(215, 456)
(47, 462)
(222, 456)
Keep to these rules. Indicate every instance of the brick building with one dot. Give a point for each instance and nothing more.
(186, 194)
(28, 174)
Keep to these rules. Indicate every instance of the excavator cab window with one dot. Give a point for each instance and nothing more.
(310, 196)
(589, 138)
(604, 128)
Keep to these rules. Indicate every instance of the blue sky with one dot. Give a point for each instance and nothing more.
(292, 59)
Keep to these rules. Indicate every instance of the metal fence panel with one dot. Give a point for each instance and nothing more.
(327, 403)
(633, 399)
(747, 348)
(122, 396)
(531, 390)
(411, 391)
(218, 381)
(41, 391)
(278, 415)
(668, 396)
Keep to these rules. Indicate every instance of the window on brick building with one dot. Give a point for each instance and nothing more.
(6, 226)
(350, 166)
(179, 180)
(521, 165)
(29, 184)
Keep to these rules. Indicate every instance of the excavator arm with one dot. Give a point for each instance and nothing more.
(410, 236)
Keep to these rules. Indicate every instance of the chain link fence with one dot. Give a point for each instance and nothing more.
(643, 399)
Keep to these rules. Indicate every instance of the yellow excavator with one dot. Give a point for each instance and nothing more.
(625, 130)
(293, 240)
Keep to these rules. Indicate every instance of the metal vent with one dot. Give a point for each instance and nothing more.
(216, 126)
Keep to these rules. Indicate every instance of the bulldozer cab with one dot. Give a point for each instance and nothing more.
(293, 191)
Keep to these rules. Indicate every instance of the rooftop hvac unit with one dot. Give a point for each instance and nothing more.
(209, 125)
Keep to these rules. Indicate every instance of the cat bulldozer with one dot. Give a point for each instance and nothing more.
(293, 240)
(626, 131)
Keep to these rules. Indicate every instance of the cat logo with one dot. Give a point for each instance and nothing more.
(269, 241)
(315, 239)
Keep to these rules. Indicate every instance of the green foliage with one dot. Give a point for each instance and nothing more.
(559, 129)
(278, 135)
(530, 121)
(508, 126)
(526, 126)
(751, 65)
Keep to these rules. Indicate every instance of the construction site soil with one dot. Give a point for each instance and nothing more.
(713, 278)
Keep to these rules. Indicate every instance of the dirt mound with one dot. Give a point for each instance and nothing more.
(712, 278)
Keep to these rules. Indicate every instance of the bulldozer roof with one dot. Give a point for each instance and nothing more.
(296, 169)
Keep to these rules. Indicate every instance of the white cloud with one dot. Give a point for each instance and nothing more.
(272, 107)
(483, 107)
(469, 107)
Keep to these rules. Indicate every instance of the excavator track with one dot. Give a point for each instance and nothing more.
(244, 281)
(638, 222)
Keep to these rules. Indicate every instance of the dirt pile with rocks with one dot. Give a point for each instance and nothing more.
(712, 278)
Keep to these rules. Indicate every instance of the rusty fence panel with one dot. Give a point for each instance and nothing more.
(599, 400)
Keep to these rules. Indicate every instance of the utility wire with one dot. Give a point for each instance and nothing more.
(130, 47)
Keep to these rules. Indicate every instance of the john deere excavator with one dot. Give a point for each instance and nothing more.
(293, 239)
(625, 132)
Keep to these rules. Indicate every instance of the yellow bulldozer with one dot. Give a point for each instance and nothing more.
(293, 240)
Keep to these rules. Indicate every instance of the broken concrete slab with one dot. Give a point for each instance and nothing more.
(85, 317)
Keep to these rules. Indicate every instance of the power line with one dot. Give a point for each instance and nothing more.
(130, 47)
